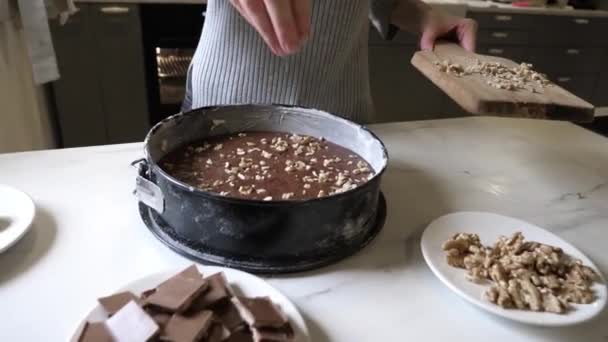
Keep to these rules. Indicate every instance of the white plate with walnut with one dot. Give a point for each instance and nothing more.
(514, 269)
(199, 303)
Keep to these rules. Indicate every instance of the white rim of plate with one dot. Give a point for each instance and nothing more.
(514, 314)
(23, 223)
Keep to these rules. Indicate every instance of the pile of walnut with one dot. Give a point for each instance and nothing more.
(524, 274)
(499, 76)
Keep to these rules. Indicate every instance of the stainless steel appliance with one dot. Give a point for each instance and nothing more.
(170, 35)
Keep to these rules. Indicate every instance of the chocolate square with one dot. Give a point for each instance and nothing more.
(95, 332)
(132, 323)
(188, 328)
(229, 316)
(191, 272)
(177, 293)
(116, 301)
(260, 312)
(218, 292)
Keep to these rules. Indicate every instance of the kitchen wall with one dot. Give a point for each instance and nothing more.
(24, 113)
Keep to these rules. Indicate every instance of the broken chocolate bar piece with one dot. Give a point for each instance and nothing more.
(177, 293)
(283, 334)
(217, 333)
(131, 323)
(95, 332)
(191, 272)
(260, 312)
(218, 291)
(188, 328)
(230, 317)
(115, 302)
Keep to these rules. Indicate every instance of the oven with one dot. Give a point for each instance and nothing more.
(170, 35)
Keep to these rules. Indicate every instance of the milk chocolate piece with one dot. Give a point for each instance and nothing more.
(191, 272)
(177, 293)
(131, 323)
(188, 328)
(218, 292)
(116, 301)
(240, 336)
(217, 333)
(230, 317)
(95, 332)
(283, 334)
(260, 312)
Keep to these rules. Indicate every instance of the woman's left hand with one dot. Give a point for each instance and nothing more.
(437, 24)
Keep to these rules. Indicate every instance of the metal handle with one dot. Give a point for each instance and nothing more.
(581, 21)
(503, 18)
(496, 51)
(573, 51)
(141, 165)
(500, 34)
(114, 10)
(564, 79)
(147, 191)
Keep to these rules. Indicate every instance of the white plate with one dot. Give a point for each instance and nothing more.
(243, 283)
(490, 227)
(17, 213)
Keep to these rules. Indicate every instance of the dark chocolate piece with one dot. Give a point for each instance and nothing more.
(218, 291)
(230, 317)
(177, 293)
(188, 328)
(132, 323)
(95, 332)
(217, 333)
(116, 301)
(260, 312)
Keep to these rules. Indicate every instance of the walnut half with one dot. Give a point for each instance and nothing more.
(526, 275)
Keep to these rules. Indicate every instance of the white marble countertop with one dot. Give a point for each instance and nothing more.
(88, 239)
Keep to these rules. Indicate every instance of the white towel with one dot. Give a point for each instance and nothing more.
(37, 36)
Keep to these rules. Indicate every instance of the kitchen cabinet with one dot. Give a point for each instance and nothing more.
(100, 97)
(399, 91)
(571, 49)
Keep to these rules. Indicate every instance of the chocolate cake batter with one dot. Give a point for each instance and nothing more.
(268, 166)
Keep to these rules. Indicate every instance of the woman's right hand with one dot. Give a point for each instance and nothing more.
(283, 24)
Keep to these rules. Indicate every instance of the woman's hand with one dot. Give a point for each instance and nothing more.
(437, 24)
(431, 24)
(283, 24)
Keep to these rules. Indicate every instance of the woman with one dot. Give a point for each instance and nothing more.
(311, 53)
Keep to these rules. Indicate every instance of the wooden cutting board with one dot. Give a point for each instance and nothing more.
(477, 97)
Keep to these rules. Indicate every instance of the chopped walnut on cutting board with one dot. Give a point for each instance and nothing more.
(524, 275)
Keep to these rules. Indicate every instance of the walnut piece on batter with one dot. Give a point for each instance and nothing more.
(525, 275)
